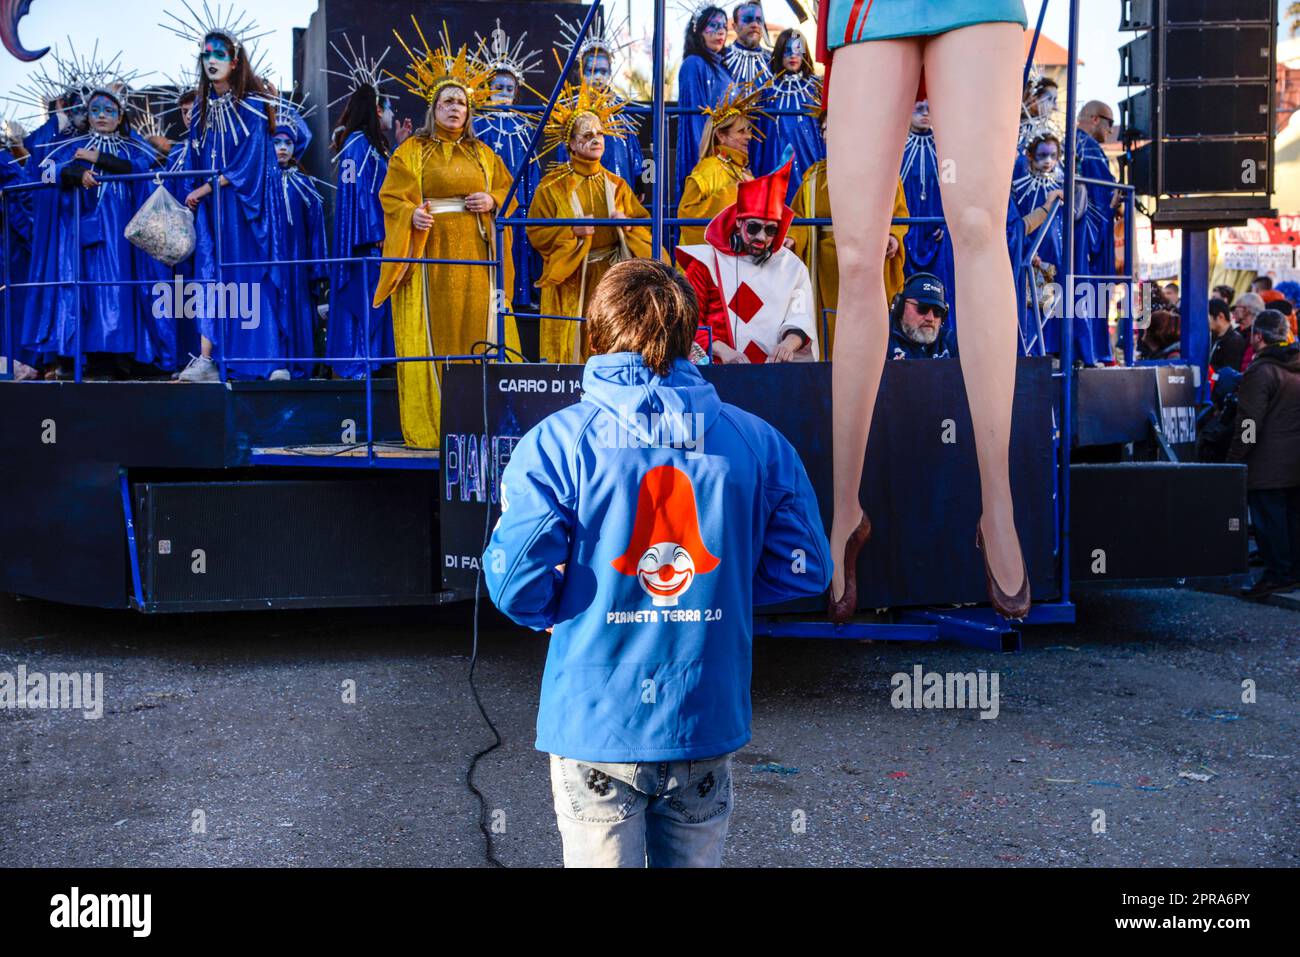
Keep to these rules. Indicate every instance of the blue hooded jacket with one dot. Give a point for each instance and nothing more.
(674, 514)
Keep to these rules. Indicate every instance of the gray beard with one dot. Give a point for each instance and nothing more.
(921, 336)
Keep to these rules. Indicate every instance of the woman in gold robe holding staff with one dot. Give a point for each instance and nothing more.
(575, 258)
(443, 189)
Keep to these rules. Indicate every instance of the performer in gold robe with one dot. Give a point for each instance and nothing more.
(443, 189)
(724, 159)
(576, 257)
(812, 201)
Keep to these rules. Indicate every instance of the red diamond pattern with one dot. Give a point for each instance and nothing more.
(745, 303)
(755, 353)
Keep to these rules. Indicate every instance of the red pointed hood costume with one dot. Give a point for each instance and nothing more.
(666, 512)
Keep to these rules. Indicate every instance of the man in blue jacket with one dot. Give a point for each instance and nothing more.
(641, 526)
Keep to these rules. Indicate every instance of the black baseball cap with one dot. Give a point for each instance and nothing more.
(925, 287)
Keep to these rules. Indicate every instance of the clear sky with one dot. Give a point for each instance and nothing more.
(131, 26)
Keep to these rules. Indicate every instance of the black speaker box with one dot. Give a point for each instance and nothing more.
(1213, 52)
(255, 544)
(1205, 166)
(1218, 110)
(1131, 522)
(1143, 14)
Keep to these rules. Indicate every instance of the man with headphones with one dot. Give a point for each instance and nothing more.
(755, 295)
(916, 320)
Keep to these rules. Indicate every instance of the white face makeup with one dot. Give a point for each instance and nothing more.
(385, 115)
(452, 109)
(795, 51)
(218, 59)
(588, 140)
(665, 572)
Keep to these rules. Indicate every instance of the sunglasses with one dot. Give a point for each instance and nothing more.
(928, 309)
(756, 229)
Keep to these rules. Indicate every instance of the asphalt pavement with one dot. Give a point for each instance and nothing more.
(1160, 730)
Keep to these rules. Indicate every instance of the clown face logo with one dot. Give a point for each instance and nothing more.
(665, 572)
(665, 550)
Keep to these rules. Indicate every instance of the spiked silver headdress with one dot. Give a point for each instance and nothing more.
(601, 35)
(240, 30)
(507, 57)
(359, 69)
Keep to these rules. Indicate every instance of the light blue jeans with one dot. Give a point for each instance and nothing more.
(665, 814)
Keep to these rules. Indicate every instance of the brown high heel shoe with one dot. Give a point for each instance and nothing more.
(841, 611)
(1015, 606)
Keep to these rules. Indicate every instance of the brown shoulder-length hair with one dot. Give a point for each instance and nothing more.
(644, 306)
(779, 48)
(243, 82)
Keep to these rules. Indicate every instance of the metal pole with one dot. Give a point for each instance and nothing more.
(370, 394)
(76, 284)
(658, 124)
(10, 351)
(1067, 338)
(225, 342)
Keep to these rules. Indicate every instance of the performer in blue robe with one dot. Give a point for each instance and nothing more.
(1034, 192)
(508, 134)
(304, 239)
(794, 88)
(16, 217)
(747, 60)
(361, 163)
(1095, 250)
(702, 80)
(242, 315)
(109, 310)
(927, 245)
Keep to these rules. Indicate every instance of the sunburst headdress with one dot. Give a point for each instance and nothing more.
(583, 99)
(740, 99)
(435, 69)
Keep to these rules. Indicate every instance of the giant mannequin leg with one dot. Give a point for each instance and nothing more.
(873, 91)
(973, 79)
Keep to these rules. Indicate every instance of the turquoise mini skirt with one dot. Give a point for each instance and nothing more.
(856, 21)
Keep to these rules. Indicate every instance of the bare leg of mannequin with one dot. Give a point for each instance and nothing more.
(874, 89)
(973, 76)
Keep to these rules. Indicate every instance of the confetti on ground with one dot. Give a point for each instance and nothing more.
(1018, 761)
(774, 768)
(1193, 776)
(1060, 780)
(1106, 784)
(898, 774)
